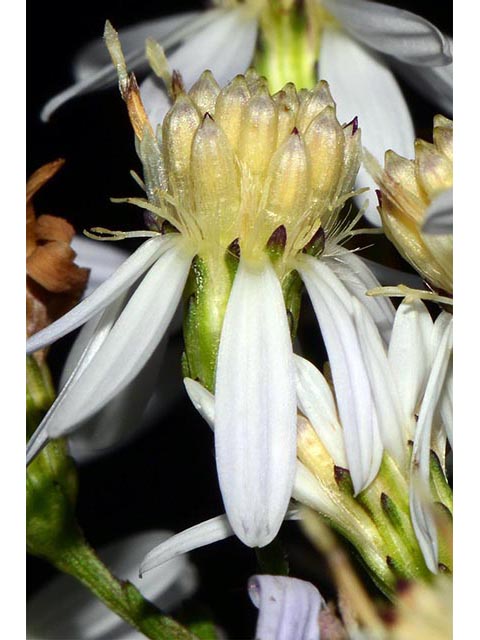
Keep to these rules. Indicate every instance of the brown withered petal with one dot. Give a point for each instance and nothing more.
(31, 223)
(51, 265)
(42, 176)
(53, 228)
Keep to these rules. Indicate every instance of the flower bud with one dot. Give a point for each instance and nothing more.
(204, 93)
(314, 102)
(230, 106)
(215, 183)
(288, 181)
(179, 127)
(258, 132)
(408, 188)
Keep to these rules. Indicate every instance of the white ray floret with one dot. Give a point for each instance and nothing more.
(333, 306)
(255, 408)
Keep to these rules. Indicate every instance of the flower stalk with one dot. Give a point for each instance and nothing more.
(52, 530)
(289, 45)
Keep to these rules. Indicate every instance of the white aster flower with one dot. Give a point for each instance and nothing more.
(269, 175)
(64, 608)
(409, 384)
(359, 40)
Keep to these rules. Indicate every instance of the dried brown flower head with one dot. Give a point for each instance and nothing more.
(54, 282)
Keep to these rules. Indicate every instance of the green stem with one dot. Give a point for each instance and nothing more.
(288, 48)
(80, 561)
(52, 531)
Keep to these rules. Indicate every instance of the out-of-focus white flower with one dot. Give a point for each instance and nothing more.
(410, 383)
(66, 609)
(288, 609)
(141, 403)
(359, 40)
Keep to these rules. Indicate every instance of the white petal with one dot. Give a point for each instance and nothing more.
(120, 281)
(95, 75)
(128, 346)
(390, 276)
(200, 535)
(439, 215)
(91, 338)
(309, 491)
(434, 83)
(225, 46)
(393, 31)
(316, 402)
(446, 403)
(333, 307)
(384, 390)
(358, 279)
(289, 609)
(65, 609)
(363, 86)
(122, 417)
(94, 56)
(202, 400)
(132, 412)
(255, 407)
(306, 488)
(195, 537)
(155, 100)
(409, 354)
(101, 258)
(422, 519)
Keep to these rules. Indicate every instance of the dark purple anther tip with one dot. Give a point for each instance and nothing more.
(234, 248)
(354, 124)
(295, 131)
(379, 197)
(278, 239)
(207, 115)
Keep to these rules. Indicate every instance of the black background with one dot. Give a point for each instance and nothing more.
(165, 478)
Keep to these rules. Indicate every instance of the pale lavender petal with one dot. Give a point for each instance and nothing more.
(393, 31)
(289, 608)
(128, 273)
(255, 406)
(363, 86)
